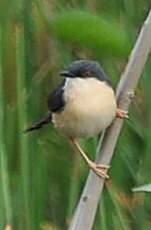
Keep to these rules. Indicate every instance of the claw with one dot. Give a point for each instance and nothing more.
(100, 170)
(100, 166)
(122, 114)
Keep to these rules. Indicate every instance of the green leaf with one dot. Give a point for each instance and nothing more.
(91, 31)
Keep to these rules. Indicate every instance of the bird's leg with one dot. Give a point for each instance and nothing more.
(121, 113)
(99, 169)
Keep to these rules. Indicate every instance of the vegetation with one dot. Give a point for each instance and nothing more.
(41, 177)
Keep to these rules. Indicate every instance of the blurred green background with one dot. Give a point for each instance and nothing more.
(41, 177)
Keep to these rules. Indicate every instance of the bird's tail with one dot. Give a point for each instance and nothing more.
(40, 123)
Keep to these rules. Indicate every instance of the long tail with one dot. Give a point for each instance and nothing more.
(40, 123)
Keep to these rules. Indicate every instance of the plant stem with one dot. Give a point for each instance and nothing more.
(86, 210)
(22, 120)
(3, 153)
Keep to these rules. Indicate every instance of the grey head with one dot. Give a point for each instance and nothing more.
(85, 69)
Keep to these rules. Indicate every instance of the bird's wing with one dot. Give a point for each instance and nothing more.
(55, 100)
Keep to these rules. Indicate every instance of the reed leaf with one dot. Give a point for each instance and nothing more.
(5, 180)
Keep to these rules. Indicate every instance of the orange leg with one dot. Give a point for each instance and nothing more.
(121, 113)
(99, 169)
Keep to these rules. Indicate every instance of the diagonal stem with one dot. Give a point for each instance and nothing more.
(86, 210)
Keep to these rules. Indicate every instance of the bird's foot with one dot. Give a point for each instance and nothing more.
(99, 169)
(121, 113)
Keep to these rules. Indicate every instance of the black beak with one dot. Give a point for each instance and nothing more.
(66, 73)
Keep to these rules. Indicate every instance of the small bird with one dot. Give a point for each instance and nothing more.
(82, 106)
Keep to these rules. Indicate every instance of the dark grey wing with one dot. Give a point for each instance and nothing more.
(55, 100)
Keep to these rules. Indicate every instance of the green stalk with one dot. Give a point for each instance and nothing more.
(3, 153)
(120, 215)
(74, 186)
(22, 121)
(103, 215)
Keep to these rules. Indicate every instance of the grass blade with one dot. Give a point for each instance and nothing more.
(3, 153)
(22, 121)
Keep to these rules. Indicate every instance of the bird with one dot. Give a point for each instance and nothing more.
(82, 106)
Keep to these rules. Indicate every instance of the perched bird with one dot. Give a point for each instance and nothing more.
(82, 106)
